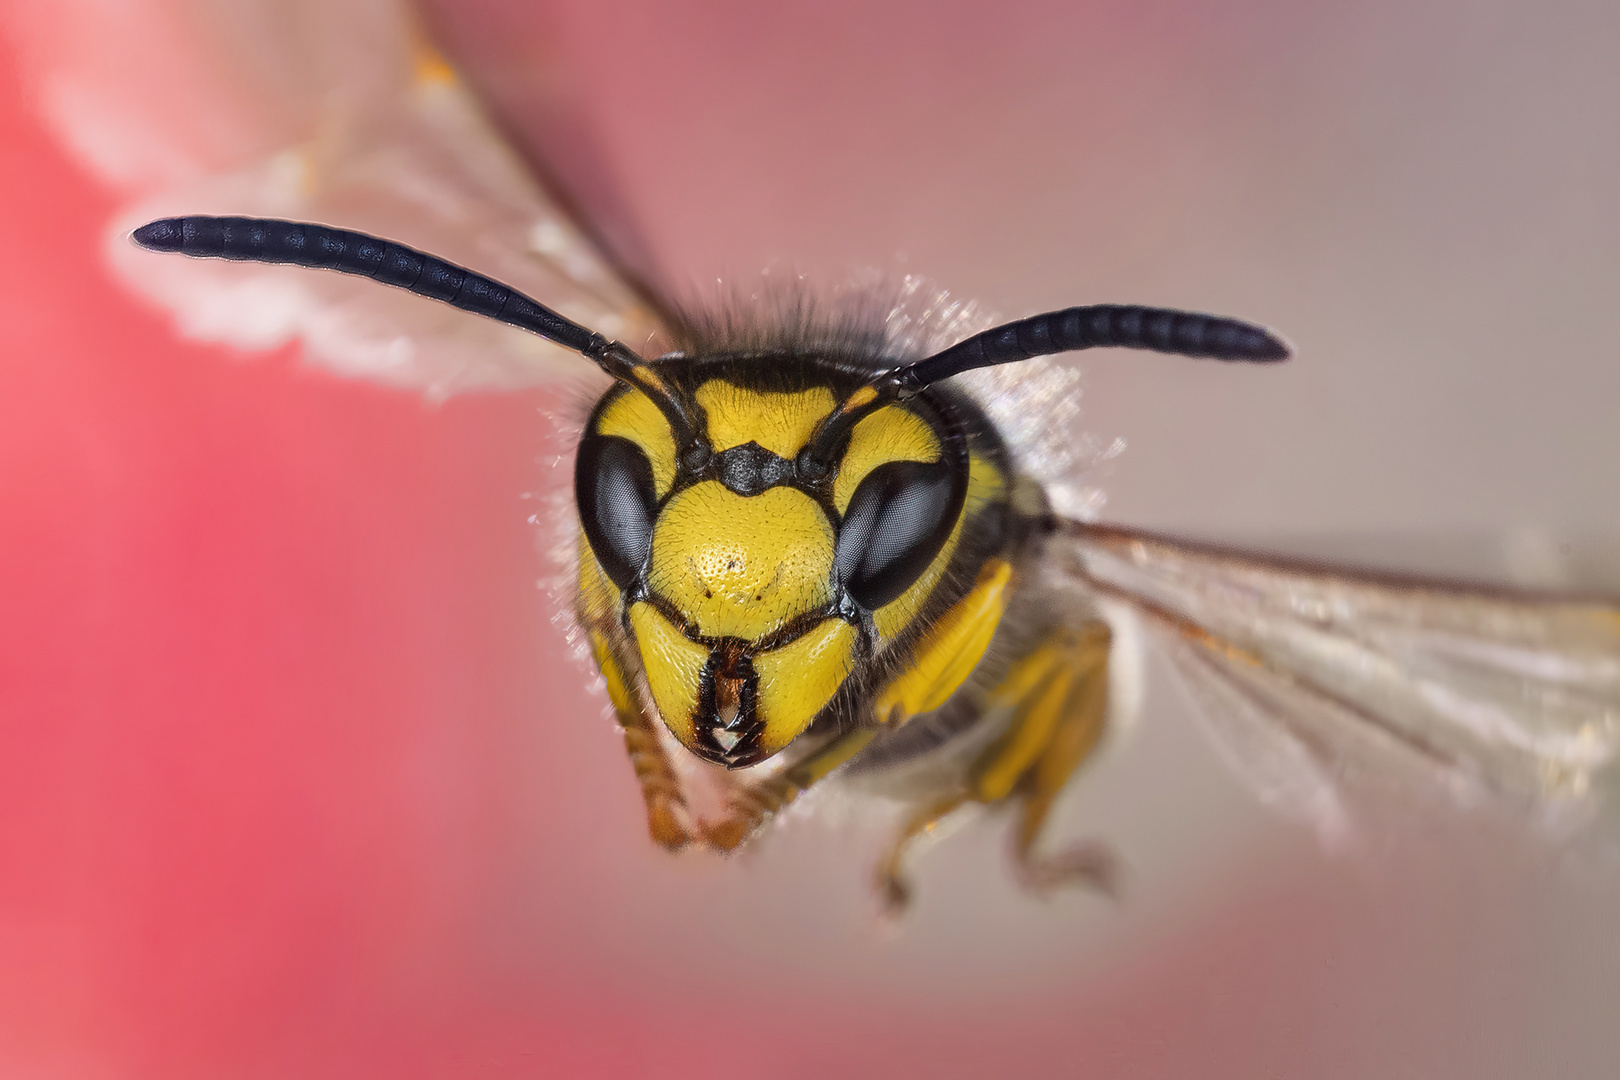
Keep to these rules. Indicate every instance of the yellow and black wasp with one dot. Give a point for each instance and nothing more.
(799, 552)
(816, 543)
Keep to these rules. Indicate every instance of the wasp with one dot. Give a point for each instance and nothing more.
(822, 550)
(802, 555)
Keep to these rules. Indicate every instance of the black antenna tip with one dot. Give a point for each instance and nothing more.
(1270, 347)
(165, 234)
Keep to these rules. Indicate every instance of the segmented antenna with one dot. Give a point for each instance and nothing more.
(1184, 332)
(322, 248)
(1132, 327)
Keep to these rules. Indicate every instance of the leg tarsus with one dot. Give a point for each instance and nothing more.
(727, 834)
(1090, 863)
(1060, 691)
(667, 820)
(894, 891)
(749, 806)
(667, 824)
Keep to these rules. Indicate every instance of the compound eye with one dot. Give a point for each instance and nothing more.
(897, 522)
(613, 484)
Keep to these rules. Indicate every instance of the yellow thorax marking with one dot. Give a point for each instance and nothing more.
(859, 399)
(781, 423)
(951, 650)
(889, 434)
(741, 567)
(632, 415)
(649, 378)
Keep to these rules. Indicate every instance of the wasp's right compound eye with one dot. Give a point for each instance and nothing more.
(613, 483)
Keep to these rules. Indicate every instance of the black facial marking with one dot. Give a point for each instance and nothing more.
(727, 724)
(613, 483)
(750, 468)
(898, 521)
(696, 457)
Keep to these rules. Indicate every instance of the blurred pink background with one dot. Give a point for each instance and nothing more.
(296, 779)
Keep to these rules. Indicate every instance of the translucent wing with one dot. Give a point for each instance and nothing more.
(1313, 676)
(337, 113)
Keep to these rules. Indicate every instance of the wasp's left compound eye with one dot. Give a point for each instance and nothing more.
(613, 483)
(900, 517)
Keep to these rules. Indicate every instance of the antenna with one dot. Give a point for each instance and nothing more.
(1160, 329)
(298, 243)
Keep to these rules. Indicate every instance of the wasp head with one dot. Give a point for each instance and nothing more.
(746, 574)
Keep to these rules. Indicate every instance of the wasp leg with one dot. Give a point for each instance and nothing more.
(1059, 693)
(892, 884)
(660, 787)
(749, 805)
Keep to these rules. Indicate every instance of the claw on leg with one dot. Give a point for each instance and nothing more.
(893, 889)
(746, 809)
(1092, 864)
(749, 806)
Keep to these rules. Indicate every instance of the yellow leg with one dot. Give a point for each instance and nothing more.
(660, 787)
(749, 805)
(1060, 693)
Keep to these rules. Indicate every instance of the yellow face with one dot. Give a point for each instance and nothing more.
(749, 591)
(759, 588)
